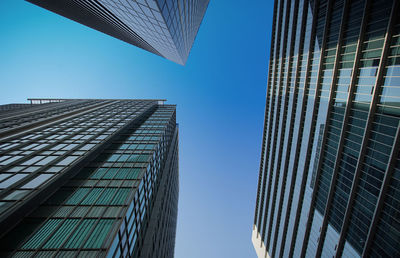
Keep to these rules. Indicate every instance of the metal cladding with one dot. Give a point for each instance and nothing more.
(165, 28)
(88, 178)
(330, 163)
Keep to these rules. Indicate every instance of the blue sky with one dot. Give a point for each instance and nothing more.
(220, 95)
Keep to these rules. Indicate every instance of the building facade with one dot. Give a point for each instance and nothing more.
(91, 178)
(164, 27)
(329, 180)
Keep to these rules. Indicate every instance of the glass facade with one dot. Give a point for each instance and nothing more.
(328, 174)
(94, 178)
(165, 27)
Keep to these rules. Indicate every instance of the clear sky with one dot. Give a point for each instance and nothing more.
(220, 95)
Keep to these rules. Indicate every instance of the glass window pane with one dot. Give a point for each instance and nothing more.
(37, 181)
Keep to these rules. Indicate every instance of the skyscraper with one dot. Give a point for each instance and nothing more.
(164, 27)
(89, 178)
(329, 180)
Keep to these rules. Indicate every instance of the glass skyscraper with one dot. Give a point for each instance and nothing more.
(329, 179)
(164, 27)
(88, 178)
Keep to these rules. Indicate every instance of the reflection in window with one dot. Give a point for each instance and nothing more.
(15, 169)
(16, 195)
(54, 169)
(12, 180)
(37, 181)
(46, 160)
(8, 161)
(31, 169)
(33, 160)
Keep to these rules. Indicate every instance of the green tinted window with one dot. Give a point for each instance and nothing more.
(45, 230)
(92, 196)
(121, 196)
(80, 234)
(61, 234)
(133, 173)
(107, 196)
(99, 173)
(99, 233)
(143, 158)
(77, 196)
(110, 173)
(96, 211)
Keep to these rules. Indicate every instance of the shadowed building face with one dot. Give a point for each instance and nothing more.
(88, 178)
(165, 28)
(330, 166)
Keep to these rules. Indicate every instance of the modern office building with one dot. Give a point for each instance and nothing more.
(164, 27)
(329, 181)
(88, 178)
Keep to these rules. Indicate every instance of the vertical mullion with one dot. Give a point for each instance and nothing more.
(30, 115)
(279, 124)
(12, 134)
(63, 203)
(385, 186)
(276, 119)
(331, 96)
(261, 174)
(283, 127)
(350, 95)
(377, 86)
(32, 175)
(303, 110)
(270, 123)
(296, 84)
(313, 124)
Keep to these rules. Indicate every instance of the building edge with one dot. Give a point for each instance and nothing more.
(258, 244)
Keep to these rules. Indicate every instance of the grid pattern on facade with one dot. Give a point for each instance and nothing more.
(335, 122)
(160, 237)
(386, 240)
(332, 104)
(166, 28)
(36, 157)
(145, 18)
(27, 117)
(373, 168)
(92, 14)
(105, 207)
(183, 19)
(14, 107)
(132, 232)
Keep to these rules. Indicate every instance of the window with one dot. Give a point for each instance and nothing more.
(12, 180)
(37, 181)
